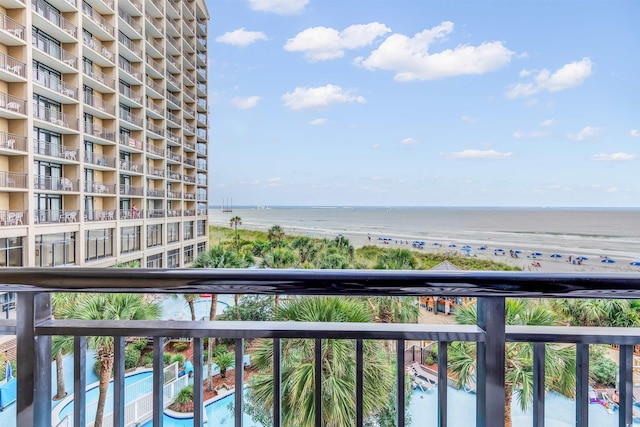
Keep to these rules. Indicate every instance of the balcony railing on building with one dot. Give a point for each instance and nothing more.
(13, 180)
(153, 192)
(156, 44)
(12, 65)
(11, 141)
(155, 171)
(155, 213)
(99, 104)
(99, 76)
(189, 212)
(130, 142)
(174, 175)
(55, 84)
(54, 116)
(129, 44)
(189, 162)
(130, 21)
(190, 179)
(130, 118)
(190, 196)
(129, 68)
(173, 213)
(98, 187)
(55, 183)
(131, 190)
(50, 216)
(52, 15)
(130, 93)
(174, 138)
(51, 149)
(12, 217)
(188, 128)
(54, 50)
(173, 194)
(13, 103)
(174, 118)
(203, 212)
(155, 129)
(99, 215)
(130, 214)
(155, 150)
(99, 20)
(130, 166)
(100, 160)
(173, 98)
(12, 26)
(99, 131)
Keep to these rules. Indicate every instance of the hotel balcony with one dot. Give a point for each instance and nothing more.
(152, 192)
(174, 100)
(155, 213)
(96, 133)
(155, 29)
(156, 172)
(154, 110)
(12, 107)
(100, 215)
(55, 183)
(174, 175)
(154, 129)
(174, 194)
(132, 73)
(173, 9)
(173, 120)
(154, 8)
(131, 142)
(99, 107)
(101, 81)
(65, 154)
(189, 212)
(129, 24)
(132, 7)
(132, 119)
(189, 179)
(62, 123)
(130, 166)
(131, 190)
(173, 28)
(103, 162)
(155, 48)
(202, 212)
(12, 144)
(48, 216)
(129, 49)
(154, 89)
(154, 68)
(174, 156)
(54, 88)
(174, 213)
(173, 65)
(98, 53)
(45, 15)
(133, 97)
(53, 55)
(12, 33)
(13, 180)
(173, 46)
(100, 188)
(173, 83)
(189, 162)
(13, 218)
(12, 70)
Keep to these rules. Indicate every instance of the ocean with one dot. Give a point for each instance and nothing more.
(596, 232)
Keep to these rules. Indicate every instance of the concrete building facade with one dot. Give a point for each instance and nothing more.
(103, 132)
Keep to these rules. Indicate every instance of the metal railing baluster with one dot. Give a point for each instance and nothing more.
(626, 386)
(538, 383)
(400, 382)
(359, 382)
(582, 385)
(118, 382)
(198, 409)
(239, 382)
(443, 347)
(25, 342)
(318, 383)
(79, 381)
(277, 382)
(158, 381)
(490, 396)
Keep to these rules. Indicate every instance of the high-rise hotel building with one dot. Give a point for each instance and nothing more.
(103, 132)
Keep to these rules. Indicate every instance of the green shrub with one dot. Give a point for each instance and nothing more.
(604, 371)
(433, 352)
(185, 395)
(139, 344)
(177, 358)
(131, 357)
(167, 358)
(147, 359)
(180, 346)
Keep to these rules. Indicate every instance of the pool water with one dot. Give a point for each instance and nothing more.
(175, 308)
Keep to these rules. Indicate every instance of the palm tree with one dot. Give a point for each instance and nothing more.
(224, 360)
(397, 259)
(275, 235)
(111, 307)
(63, 306)
(306, 249)
(560, 363)
(280, 258)
(235, 222)
(191, 300)
(338, 367)
(598, 312)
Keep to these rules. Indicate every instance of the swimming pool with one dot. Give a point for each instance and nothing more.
(175, 308)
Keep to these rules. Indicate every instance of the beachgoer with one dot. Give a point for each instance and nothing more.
(369, 236)
(135, 212)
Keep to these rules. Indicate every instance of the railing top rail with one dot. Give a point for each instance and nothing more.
(324, 282)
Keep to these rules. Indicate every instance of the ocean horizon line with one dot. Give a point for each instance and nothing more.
(452, 207)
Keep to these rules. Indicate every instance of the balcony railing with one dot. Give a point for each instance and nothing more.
(100, 187)
(12, 65)
(154, 128)
(99, 131)
(49, 81)
(54, 50)
(13, 103)
(52, 15)
(14, 217)
(155, 213)
(13, 180)
(42, 182)
(202, 212)
(156, 65)
(34, 319)
(174, 138)
(189, 179)
(49, 216)
(55, 117)
(130, 69)
(45, 148)
(129, 44)
(100, 160)
(12, 141)
(11, 26)
(154, 85)
(99, 215)
(158, 45)
(129, 20)
(172, 194)
(131, 190)
(172, 213)
(151, 192)
(155, 171)
(129, 166)
(171, 97)
(130, 93)
(94, 101)
(130, 142)
(99, 20)
(130, 118)
(99, 76)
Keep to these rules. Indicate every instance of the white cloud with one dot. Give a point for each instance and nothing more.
(274, 182)
(244, 103)
(587, 132)
(408, 141)
(548, 122)
(530, 135)
(469, 119)
(612, 190)
(241, 37)
(322, 43)
(635, 133)
(318, 122)
(376, 146)
(280, 7)
(478, 154)
(377, 178)
(319, 97)
(567, 77)
(614, 157)
(410, 58)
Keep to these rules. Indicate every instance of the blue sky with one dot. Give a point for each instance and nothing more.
(425, 103)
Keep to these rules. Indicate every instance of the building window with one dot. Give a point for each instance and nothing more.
(11, 252)
(202, 228)
(129, 239)
(202, 247)
(99, 244)
(53, 250)
(188, 230)
(154, 235)
(173, 258)
(188, 254)
(48, 208)
(154, 261)
(173, 232)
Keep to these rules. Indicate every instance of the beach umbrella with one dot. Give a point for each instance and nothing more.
(517, 251)
(465, 247)
(608, 261)
(453, 245)
(482, 248)
(582, 258)
(498, 250)
(536, 254)
(556, 256)
(635, 263)
(436, 244)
